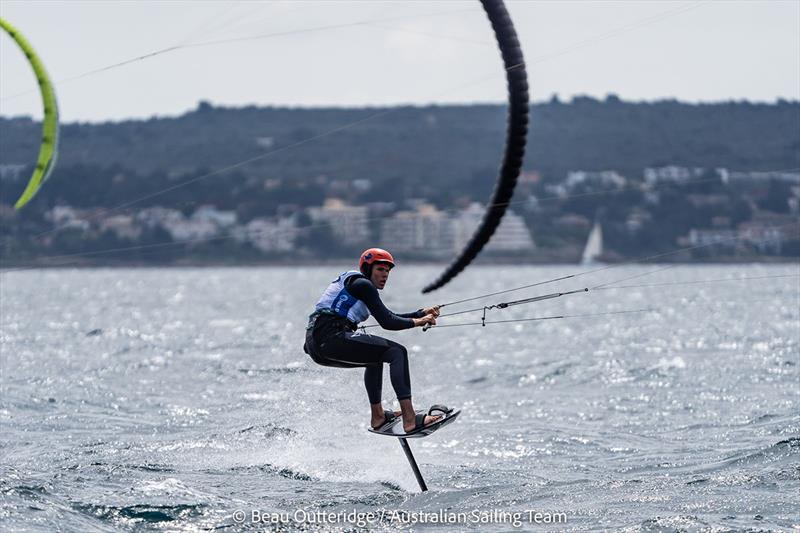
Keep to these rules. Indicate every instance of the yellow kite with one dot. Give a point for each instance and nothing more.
(48, 151)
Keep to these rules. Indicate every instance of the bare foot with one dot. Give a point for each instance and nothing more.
(375, 423)
(429, 419)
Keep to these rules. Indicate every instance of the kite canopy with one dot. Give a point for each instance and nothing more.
(48, 151)
(515, 140)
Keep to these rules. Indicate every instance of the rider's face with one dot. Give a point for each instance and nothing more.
(380, 274)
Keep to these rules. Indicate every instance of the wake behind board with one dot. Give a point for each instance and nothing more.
(395, 427)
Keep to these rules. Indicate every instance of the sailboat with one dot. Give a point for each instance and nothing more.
(594, 246)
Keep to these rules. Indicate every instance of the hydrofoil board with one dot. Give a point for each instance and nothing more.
(395, 427)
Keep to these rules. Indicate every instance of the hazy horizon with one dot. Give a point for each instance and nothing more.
(389, 54)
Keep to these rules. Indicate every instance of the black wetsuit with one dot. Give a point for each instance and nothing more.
(332, 340)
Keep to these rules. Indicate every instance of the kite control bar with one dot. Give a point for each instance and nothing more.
(503, 305)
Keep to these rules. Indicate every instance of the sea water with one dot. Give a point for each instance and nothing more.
(180, 400)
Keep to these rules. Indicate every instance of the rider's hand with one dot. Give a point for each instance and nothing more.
(432, 311)
(428, 319)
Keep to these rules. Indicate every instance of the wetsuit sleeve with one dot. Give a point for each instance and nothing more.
(365, 291)
(413, 314)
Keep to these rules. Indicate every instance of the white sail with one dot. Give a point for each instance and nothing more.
(594, 246)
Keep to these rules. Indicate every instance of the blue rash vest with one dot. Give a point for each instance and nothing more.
(340, 301)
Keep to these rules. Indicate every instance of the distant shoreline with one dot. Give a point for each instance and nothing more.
(22, 265)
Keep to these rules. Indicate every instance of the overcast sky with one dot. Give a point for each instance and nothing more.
(336, 53)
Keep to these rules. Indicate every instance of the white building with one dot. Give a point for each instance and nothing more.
(707, 237)
(123, 226)
(678, 175)
(152, 217)
(270, 235)
(764, 237)
(349, 224)
(768, 232)
(191, 230)
(179, 227)
(603, 179)
(512, 235)
(209, 213)
(424, 230)
(67, 217)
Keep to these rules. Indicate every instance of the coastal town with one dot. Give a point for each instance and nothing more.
(732, 214)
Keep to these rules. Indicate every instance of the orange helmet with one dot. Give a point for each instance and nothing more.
(374, 255)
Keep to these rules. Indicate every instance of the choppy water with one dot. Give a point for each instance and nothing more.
(167, 399)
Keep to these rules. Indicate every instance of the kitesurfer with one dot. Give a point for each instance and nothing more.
(332, 338)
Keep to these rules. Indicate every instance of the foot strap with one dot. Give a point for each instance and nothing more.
(388, 416)
(441, 408)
